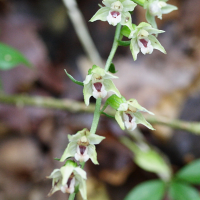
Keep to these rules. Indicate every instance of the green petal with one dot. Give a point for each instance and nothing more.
(69, 151)
(156, 44)
(55, 174)
(101, 14)
(95, 139)
(134, 103)
(108, 2)
(151, 19)
(143, 25)
(92, 154)
(81, 172)
(109, 76)
(141, 120)
(87, 92)
(99, 71)
(76, 137)
(118, 117)
(128, 5)
(168, 8)
(87, 79)
(123, 107)
(66, 172)
(134, 48)
(109, 86)
(151, 30)
(126, 20)
(82, 187)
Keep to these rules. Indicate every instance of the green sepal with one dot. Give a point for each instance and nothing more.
(74, 80)
(124, 43)
(114, 101)
(112, 68)
(90, 70)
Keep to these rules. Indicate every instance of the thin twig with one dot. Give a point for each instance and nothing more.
(77, 107)
(82, 32)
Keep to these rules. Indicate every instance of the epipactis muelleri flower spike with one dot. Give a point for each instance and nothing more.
(67, 178)
(115, 12)
(98, 84)
(157, 8)
(82, 146)
(143, 39)
(128, 115)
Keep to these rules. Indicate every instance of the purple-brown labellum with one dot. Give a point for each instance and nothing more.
(98, 86)
(115, 14)
(144, 42)
(82, 149)
(130, 117)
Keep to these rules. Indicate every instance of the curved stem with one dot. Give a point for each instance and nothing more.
(114, 47)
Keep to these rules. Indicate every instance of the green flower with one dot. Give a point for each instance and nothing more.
(143, 39)
(67, 178)
(157, 8)
(98, 84)
(128, 115)
(115, 12)
(82, 146)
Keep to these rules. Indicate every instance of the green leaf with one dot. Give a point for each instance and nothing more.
(149, 190)
(151, 161)
(190, 173)
(182, 191)
(10, 58)
(124, 43)
(114, 101)
(74, 80)
(112, 68)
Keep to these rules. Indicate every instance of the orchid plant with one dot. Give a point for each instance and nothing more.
(71, 177)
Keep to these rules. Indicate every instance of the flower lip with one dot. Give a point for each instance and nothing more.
(144, 42)
(115, 14)
(70, 179)
(98, 86)
(130, 117)
(82, 149)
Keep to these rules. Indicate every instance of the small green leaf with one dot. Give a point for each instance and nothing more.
(124, 43)
(10, 58)
(74, 80)
(190, 173)
(149, 190)
(58, 159)
(114, 101)
(182, 191)
(112, 68)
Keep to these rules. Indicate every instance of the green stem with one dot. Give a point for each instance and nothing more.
(97, 114)
(114, 47)
(72, 196)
